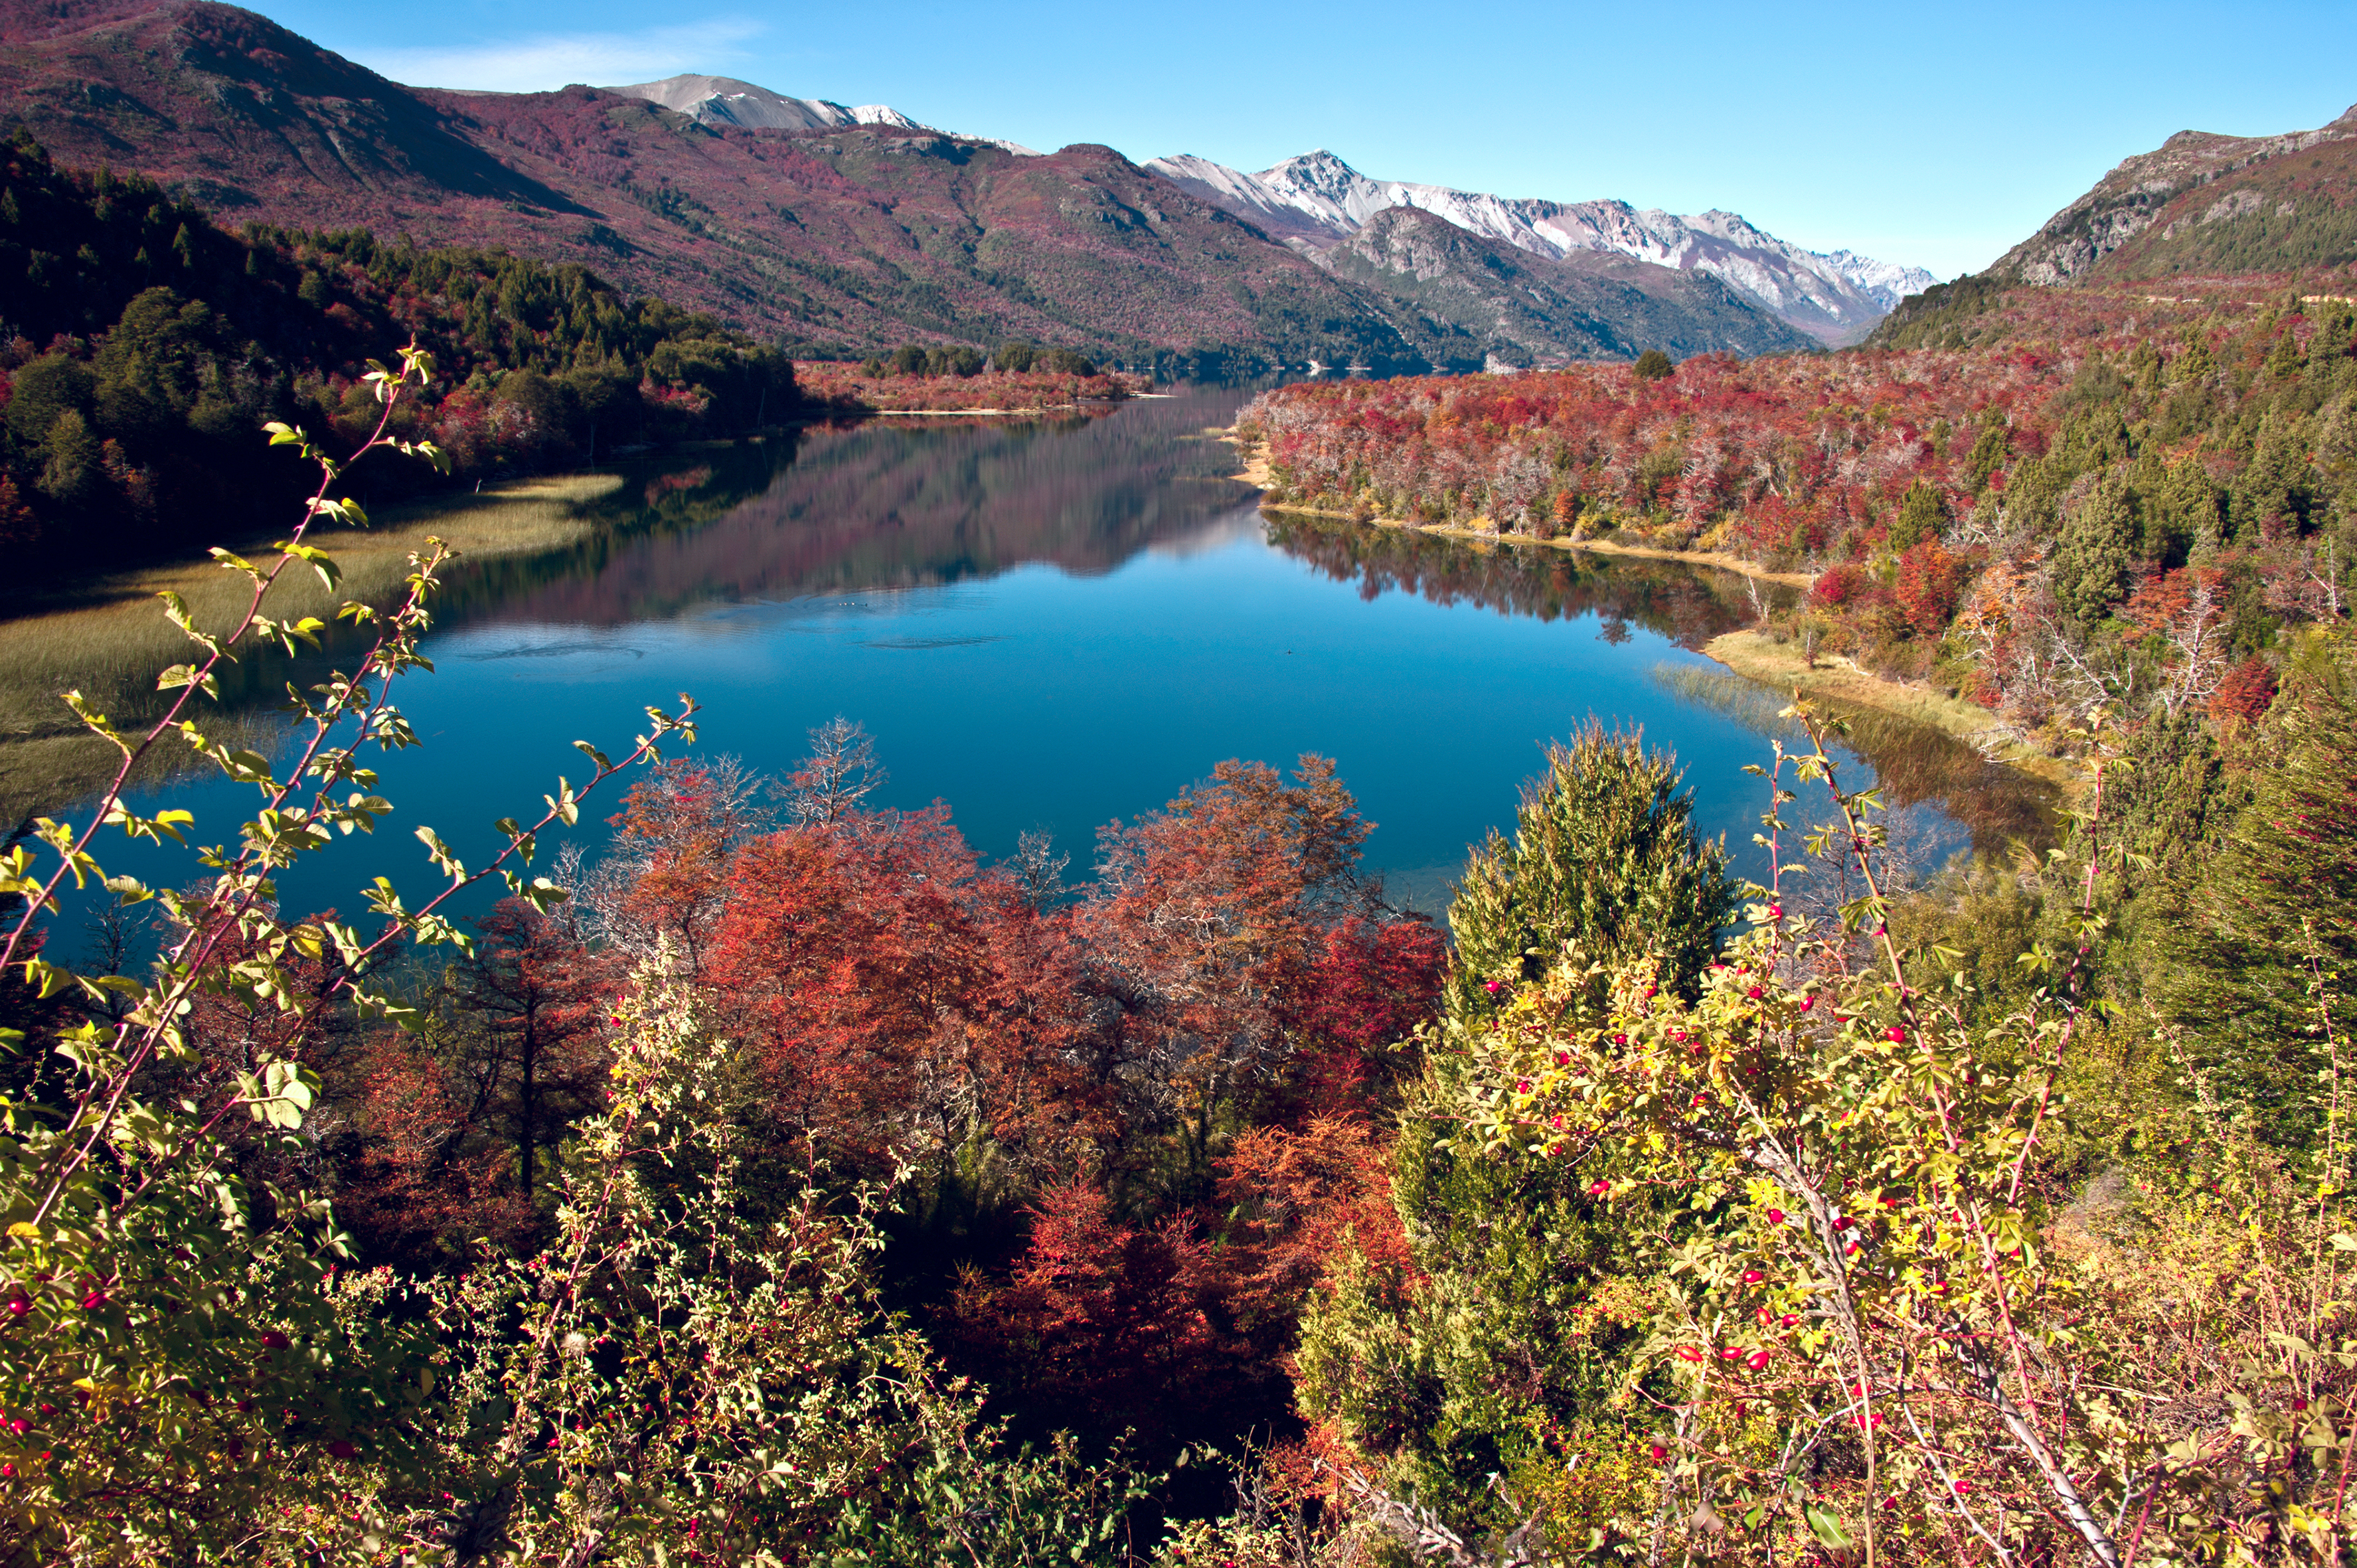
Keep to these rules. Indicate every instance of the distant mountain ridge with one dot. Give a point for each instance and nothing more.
(1316, 200)
(830, 229)
(2202, 202)
(1526, 310)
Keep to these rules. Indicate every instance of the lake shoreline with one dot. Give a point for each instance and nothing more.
(1758, 657)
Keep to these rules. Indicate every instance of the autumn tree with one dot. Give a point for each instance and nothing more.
(1203, 919)
(534, 1061)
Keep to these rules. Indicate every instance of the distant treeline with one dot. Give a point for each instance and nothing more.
(1017, 358)
(142, 348)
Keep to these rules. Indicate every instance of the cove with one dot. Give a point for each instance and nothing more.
(1051, 625)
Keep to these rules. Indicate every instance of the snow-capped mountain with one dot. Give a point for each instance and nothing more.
(725, 101)
(1316, 200)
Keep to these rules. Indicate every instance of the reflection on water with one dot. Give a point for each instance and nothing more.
(1913, 764)
(880, 506)
(1687, 605)
(1052, 625)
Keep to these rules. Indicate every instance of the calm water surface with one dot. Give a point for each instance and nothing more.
(1052, 626)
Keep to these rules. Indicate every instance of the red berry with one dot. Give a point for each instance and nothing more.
(342, 1450)
(1896, 1034)
(1775, 1217)
(93, 1301)
(1964, 1486)
(1660, 1453)
(1752, 1276)
(18, 1306)
(1757, 1361)
(1598, 1188)
(1755, 993)
(273, 1340)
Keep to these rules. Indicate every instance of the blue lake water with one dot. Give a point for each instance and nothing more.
(1049, 627)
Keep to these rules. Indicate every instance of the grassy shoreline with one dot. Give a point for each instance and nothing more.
(1760, 659)
(1256, 472)
(107, 637)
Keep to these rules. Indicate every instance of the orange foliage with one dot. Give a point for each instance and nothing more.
(893, 991)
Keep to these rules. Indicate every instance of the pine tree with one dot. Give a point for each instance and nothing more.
(1604, 855)
(1923, 515)
(2270, 914)
(2092, 558)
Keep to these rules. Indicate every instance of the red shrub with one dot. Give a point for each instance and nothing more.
(1931, 581)
(2246, 694)
(1845, 584)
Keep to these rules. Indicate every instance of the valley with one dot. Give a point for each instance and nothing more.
(1707, 917)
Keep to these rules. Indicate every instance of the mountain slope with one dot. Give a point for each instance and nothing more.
(1317, 199)
(836, 229)
(725, 101)
(836, 240)
(1525, 310)
(2205, 203)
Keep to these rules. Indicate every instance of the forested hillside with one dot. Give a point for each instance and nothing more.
(2073, 500)
(837, 243)
(142, 348)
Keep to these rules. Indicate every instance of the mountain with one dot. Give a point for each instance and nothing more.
(837, 240)
(2205, 203)
(725, 101)
(1527, 310)
(1316, 200)
(835, 231)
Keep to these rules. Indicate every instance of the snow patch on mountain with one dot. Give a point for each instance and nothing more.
(725, 101)
(1317, 199)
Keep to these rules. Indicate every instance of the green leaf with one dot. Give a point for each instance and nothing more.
(1826, 1525)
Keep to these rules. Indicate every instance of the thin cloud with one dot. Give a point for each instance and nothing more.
(545, 61)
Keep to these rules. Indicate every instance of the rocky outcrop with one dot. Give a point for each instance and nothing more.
(2152, 190)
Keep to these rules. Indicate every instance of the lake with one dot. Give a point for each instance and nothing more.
(1052, 624)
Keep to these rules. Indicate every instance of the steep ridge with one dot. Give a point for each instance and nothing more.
(2204, 203)
(1527, 310)
(1317, 199)
(237, 112)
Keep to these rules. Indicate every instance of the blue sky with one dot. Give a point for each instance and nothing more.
(1932, 135)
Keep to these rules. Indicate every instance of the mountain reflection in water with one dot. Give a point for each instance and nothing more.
(881, 505)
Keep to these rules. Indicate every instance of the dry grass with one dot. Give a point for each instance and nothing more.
(1782, 666)
(109, 640)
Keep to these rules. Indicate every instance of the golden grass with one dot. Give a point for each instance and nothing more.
(1782, 668)
(108, 637)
